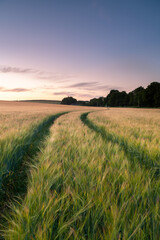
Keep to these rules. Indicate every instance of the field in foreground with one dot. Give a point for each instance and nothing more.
(79, 173)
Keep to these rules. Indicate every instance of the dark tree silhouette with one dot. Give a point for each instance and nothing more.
(99, 102)
(69, 101)
(117, 99)
(140, 97)
(152, 95)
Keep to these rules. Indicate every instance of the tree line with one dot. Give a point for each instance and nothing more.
(140, 97)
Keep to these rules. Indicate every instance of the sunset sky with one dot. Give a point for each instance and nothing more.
(50, 49)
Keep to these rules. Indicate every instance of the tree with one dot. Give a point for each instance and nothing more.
(93, 102)
(137, 97)
(69, 101)
(117, 99)
(99, 102)
(112, 98)
(152, 95)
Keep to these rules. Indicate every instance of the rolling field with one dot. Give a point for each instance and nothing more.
(69, 172)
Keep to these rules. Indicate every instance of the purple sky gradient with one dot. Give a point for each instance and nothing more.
(50, 49)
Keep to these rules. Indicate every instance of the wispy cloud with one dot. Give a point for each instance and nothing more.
(8, 69)
(83, 84)
(67, 84)
(39, 75)
(2, 89)
(92, 86)
(64, 93)
(19, 90)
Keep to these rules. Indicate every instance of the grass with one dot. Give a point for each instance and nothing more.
(79, 191)
(135, 152)
(13, 178)
(89, 181)
(140, 126)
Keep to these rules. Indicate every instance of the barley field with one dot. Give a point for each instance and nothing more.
(70, 172)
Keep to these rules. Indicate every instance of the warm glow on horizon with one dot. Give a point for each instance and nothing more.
(22, 86)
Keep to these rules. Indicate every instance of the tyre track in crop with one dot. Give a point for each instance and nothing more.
(13, 182)
(134, 153)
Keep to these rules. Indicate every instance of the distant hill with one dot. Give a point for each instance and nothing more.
(43, 101)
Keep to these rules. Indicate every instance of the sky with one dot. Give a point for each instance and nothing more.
(51, 49)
